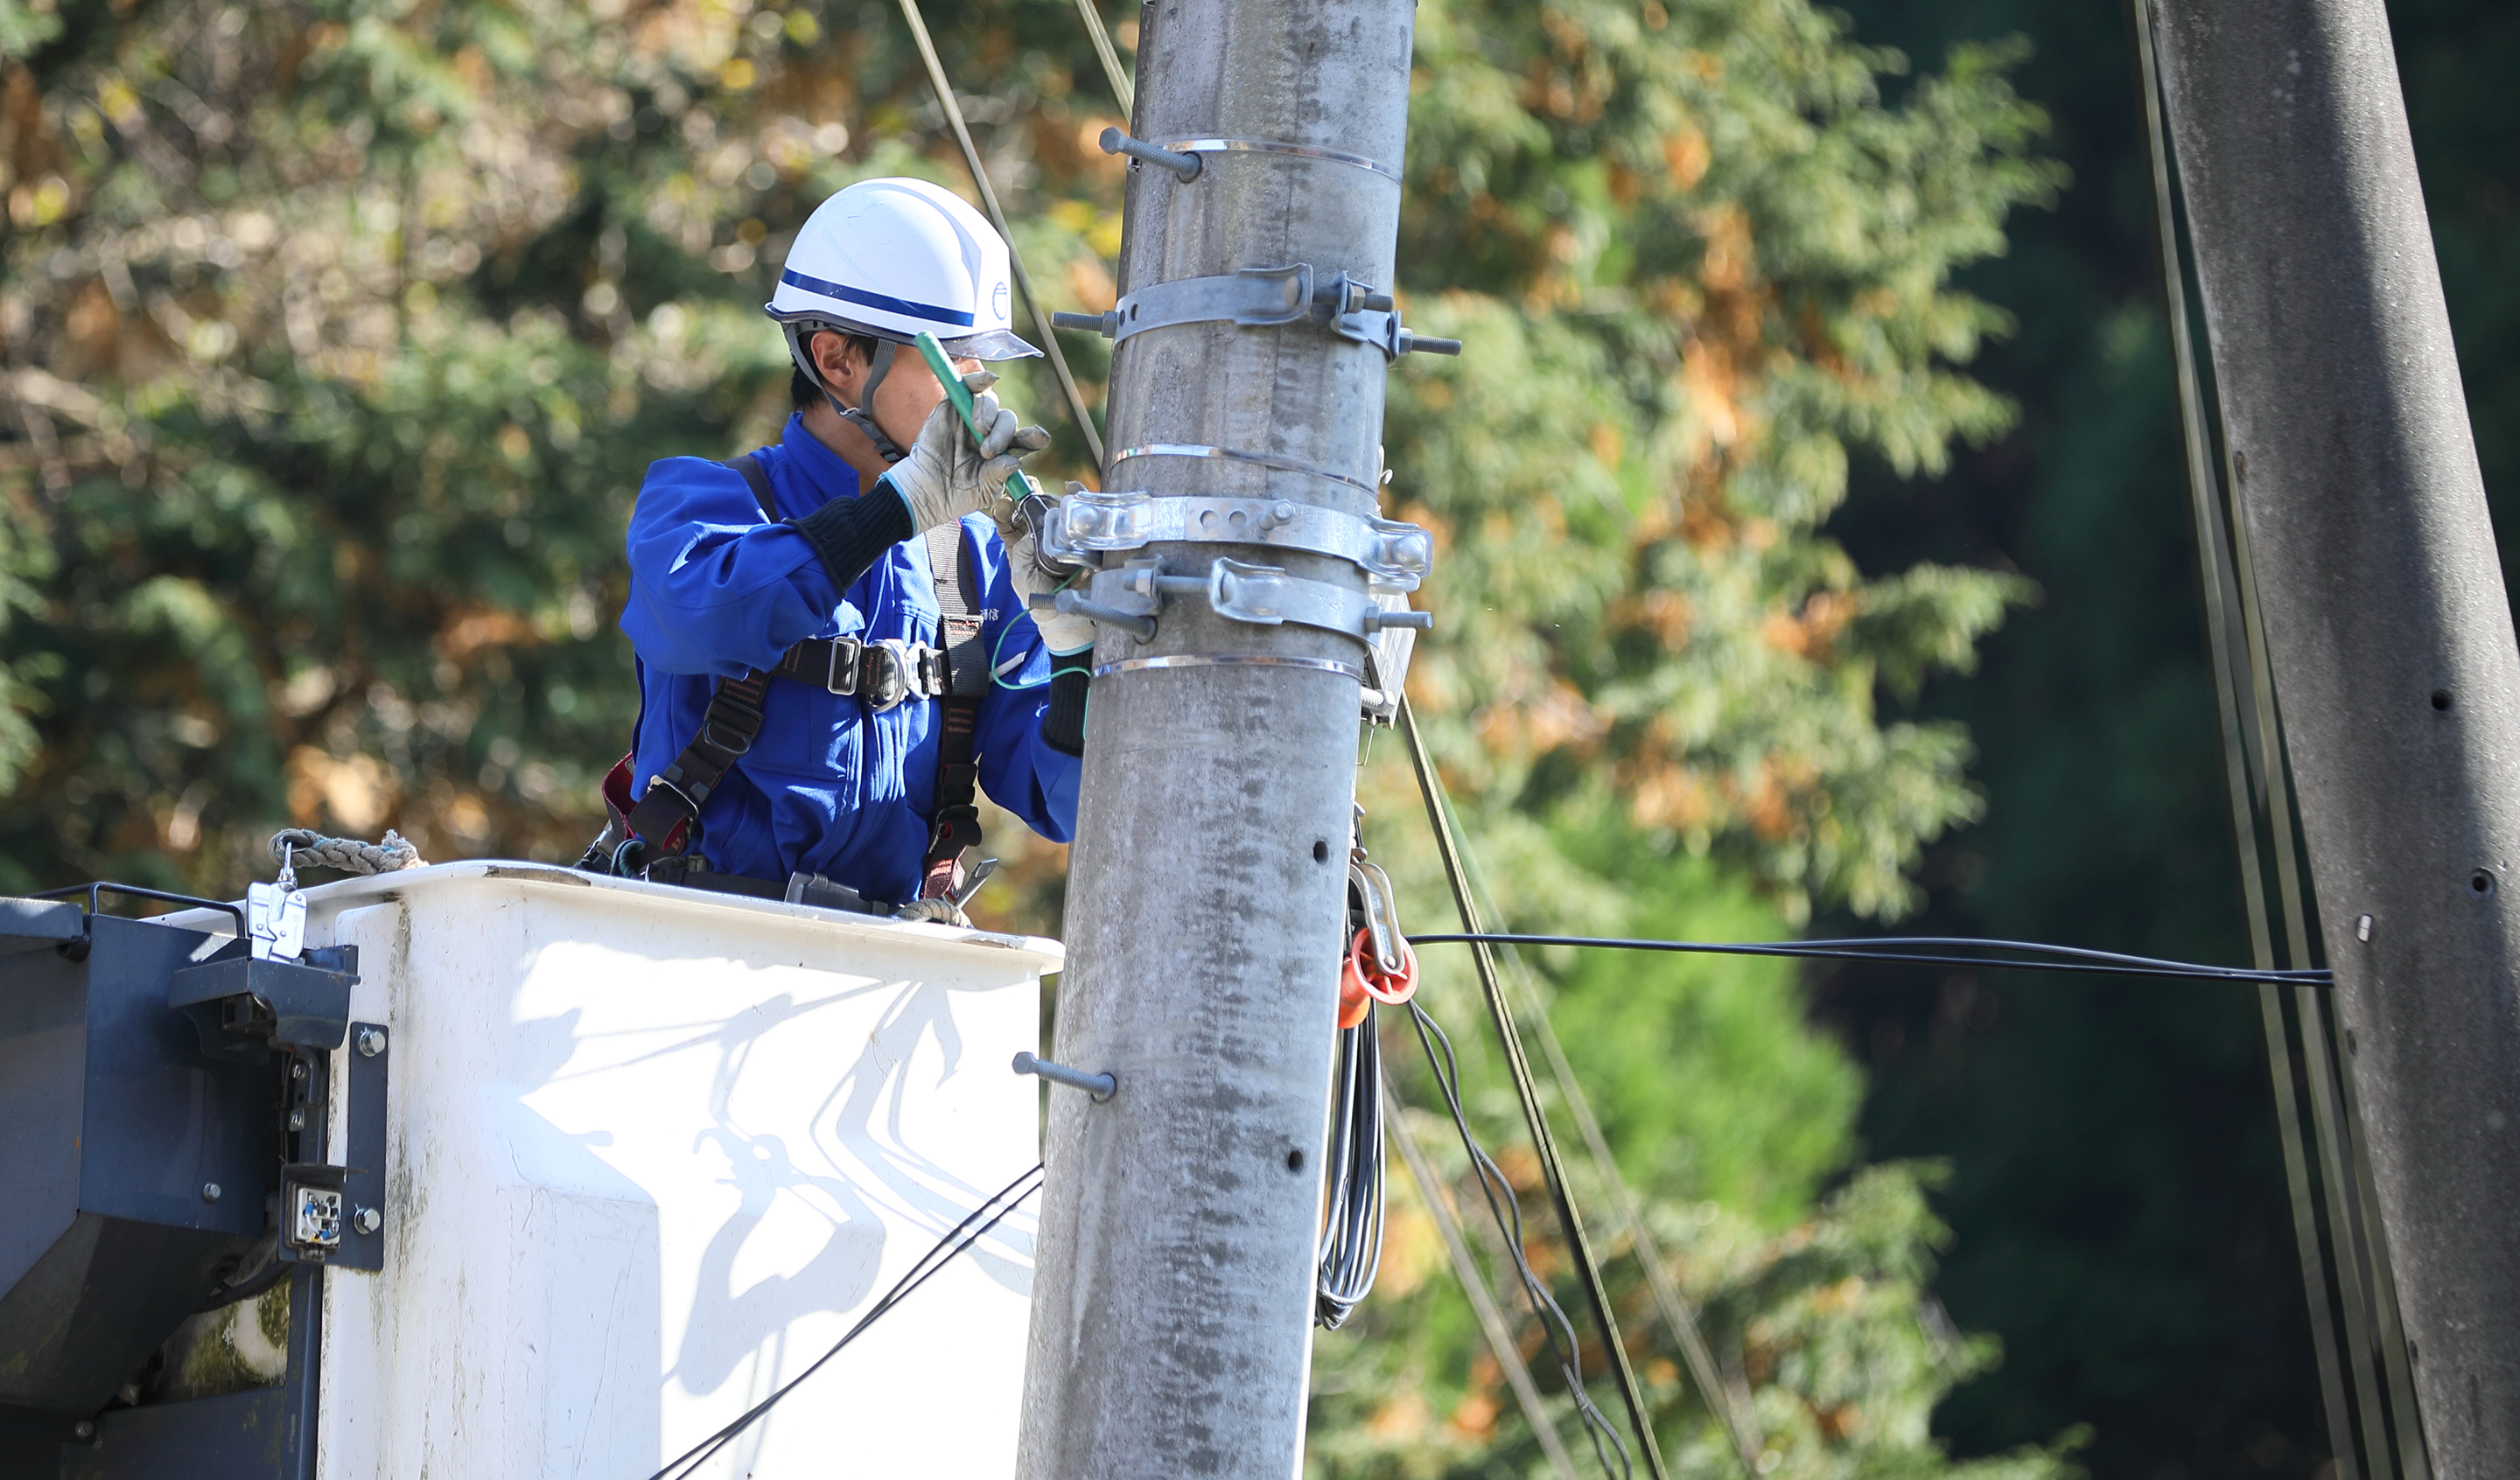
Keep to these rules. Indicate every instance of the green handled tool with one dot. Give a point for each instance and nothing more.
(1019, 484)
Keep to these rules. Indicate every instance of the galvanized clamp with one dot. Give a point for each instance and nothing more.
(1263, 298)
(1131, 597)
(1086, 524)
(1255, 297)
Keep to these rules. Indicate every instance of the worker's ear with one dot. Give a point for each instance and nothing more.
(841, 364)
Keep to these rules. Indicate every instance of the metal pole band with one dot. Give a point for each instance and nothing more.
(1266, 146)
(1233, 660)
(1228, 454)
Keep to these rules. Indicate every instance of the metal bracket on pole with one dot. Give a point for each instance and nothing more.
(1392, 553)
(1130, 597)
(1264, 297)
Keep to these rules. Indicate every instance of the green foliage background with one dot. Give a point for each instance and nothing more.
(337, 337)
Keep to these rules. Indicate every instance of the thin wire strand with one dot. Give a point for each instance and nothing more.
(1111, 59)
(989, 198)
(1507, 1210)
(1552, 1167)
(939, 1255)
(2071, 958)
(1509, 1358)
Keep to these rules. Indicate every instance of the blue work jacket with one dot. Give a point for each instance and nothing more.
(828, 787)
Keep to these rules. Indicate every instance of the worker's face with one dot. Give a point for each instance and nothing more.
(908, 393)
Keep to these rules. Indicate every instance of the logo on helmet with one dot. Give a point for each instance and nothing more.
(997, 300)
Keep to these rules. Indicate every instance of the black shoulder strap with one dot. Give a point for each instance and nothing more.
(957, 826)
(757, 479)
(665, 815)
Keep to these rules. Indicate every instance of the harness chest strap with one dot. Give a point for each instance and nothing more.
(957, 826)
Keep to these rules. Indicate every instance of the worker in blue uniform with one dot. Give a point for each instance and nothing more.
(832, 638)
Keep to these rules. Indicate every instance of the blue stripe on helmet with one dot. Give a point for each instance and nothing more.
(865, 300)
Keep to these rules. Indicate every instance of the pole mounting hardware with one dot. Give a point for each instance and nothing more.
(1085, 524)
(1131, 597)
(1100, 1087)
(1185, 165)
(1181, 156)
(1264, 297)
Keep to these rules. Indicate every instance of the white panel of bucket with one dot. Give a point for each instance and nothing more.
(652, 1152)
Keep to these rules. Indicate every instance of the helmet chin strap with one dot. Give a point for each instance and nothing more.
(861, 416)
(799, 336)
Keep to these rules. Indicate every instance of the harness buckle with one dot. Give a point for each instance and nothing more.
(935, 677)
(841, 674)
(721, 737)
(889, 668)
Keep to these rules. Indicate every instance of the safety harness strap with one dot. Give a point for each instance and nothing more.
(957, 827)
(665, 815)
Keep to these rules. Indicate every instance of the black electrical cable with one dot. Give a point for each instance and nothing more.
(955, 1241)
(1897, 948)
(1507, 1210)
(1351, 1244)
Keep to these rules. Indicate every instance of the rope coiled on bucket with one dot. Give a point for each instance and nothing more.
(293, 846)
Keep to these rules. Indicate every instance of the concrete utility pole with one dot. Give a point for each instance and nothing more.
(1172, 1303)
(2391, 640)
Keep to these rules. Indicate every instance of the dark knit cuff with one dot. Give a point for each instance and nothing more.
(852, 534)
(1062, 725)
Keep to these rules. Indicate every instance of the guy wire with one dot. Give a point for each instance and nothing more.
(1015, 254)
(1733, 1409)
(1509, 1358)
(1506, 1210)
(1101, 35)
(1551, 1165)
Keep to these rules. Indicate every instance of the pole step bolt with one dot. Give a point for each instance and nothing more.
(1100, 1087)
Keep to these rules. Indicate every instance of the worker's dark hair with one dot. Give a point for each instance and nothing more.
(802, 392)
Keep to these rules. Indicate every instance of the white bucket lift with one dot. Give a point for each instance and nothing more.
(649, 1153)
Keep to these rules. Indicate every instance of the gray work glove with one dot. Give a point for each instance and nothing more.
(935, 911)
(1060, 632)
(946, 475)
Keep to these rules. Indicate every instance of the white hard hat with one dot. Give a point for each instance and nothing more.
(892, 257)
